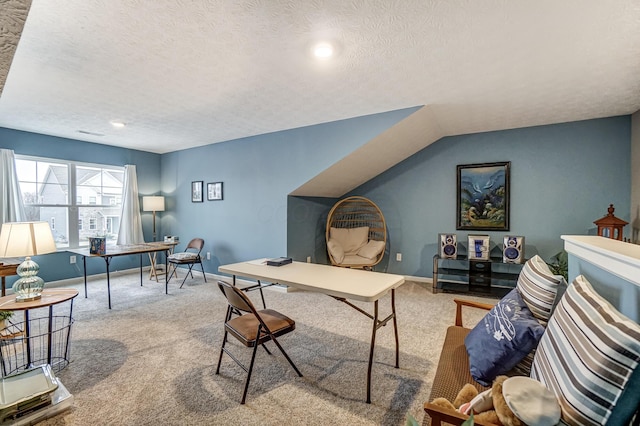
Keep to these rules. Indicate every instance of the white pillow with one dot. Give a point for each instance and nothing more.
(372, 249)
(335, 250)
(350, 239)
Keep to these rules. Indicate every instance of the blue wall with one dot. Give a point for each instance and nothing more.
(56, 266)
(257, 174)
(563, 177)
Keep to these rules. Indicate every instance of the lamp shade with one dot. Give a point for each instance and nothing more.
(27, 239)
(19, 239)
(153, 203)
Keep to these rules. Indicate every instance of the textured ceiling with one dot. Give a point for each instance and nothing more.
(12, 18)
(184, 73)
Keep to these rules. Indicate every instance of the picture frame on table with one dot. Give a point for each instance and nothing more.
(196, 191)
(214, 191)
(482, 199)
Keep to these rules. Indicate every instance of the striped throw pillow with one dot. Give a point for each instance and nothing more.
(539, 288)
(541, 291)
(588, 357)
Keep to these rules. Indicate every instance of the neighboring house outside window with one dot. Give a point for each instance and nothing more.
(70, 194)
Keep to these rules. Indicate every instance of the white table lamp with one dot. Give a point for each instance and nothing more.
(153, 203)
(18, 239)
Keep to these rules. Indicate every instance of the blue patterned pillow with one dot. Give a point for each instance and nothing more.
(504, 337)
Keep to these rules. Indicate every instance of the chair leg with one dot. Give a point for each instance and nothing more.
(187, 275)
(246, 385)
(173, 272)
(224, 341)
(266, 349)
(203, 274)
(285, 355)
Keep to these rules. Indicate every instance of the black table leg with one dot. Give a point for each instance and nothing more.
(84, 267)
(107, 260)
(140, 269)
(373, 345)
(395, 326)
(49, 334)
(166, 272)
(66, 347)
(27, 330)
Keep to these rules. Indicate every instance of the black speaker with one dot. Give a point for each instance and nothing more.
(448, 246)
(513, 250)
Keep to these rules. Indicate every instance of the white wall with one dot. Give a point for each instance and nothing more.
(635, 178)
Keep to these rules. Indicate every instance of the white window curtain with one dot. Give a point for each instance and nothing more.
(11, 205)
(130, 231)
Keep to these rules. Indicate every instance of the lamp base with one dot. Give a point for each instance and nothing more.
(29, 286)
(28, 298)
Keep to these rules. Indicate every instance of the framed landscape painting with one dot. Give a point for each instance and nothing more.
(483, 197)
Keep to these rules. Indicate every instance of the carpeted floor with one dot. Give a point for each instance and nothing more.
(151, 359)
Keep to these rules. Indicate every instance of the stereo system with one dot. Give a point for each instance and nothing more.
(479, 248)
(448, 246)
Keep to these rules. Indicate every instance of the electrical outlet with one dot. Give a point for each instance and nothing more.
(308, 259)
(399, 257)
(72, 259)
(208, 255)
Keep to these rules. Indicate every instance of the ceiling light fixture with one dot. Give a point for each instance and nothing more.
(117, 124)
(323, 50)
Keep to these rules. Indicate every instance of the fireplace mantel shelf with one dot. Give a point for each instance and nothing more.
(616, 257)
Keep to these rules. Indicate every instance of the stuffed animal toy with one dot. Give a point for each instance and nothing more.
(514, 401)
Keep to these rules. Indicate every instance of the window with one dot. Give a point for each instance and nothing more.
(71, 194)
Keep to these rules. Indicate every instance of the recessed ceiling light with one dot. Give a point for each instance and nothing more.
(117, 124)
(323, 50)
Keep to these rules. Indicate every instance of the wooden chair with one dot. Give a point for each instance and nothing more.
(252, 328)
(190, 257)
(453, 370)
(352, 213)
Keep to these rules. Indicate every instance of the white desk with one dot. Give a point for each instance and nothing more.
(340, 283)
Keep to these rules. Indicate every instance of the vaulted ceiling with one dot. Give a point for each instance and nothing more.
(183, 73)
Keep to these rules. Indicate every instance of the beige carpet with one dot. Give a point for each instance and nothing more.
(151, 359)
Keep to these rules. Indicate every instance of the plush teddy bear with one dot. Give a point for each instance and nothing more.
(515, 401)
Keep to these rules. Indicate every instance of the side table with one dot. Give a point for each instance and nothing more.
(155, 270)
(39, 340)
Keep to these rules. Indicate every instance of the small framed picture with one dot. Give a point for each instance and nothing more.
(214, 191)
(196, 191)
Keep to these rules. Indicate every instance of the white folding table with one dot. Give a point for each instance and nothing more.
(339, 283)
